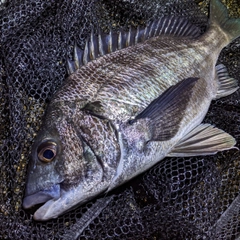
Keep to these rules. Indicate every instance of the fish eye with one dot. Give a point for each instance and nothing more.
(47, 151)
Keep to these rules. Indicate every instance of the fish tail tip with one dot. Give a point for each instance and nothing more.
(219, 16)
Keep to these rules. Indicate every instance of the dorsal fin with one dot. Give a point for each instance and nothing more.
(102, 44)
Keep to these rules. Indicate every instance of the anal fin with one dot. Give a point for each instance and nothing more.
(227, 85)
(205, 139)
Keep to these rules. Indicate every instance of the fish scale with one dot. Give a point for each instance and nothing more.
(151, 87)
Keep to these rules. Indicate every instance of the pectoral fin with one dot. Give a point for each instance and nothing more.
(205, 139)
(164, 114)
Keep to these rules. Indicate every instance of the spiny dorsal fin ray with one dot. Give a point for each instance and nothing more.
(107, 43)
(86, 51)
(93, 46)
(78, 56)
(71, 66)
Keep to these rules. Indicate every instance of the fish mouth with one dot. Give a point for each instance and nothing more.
(56, 200)
(43, 196)
(50, 203)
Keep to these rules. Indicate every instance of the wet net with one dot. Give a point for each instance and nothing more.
(179, 198)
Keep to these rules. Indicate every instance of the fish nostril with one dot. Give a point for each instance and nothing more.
(130, 122)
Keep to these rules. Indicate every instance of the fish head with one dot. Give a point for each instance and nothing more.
(73, 159)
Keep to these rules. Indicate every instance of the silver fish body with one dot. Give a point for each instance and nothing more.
(123, 112)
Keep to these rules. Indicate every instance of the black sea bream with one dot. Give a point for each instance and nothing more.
(132, 99)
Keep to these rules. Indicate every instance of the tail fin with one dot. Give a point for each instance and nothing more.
(219, 17)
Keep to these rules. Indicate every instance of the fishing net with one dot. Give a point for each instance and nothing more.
(179, 198)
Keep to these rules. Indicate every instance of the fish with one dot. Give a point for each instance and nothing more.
(132, 99)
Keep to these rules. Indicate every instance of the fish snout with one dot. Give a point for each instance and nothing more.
(42, 196)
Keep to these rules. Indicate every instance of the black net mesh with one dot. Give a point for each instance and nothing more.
(180, 198)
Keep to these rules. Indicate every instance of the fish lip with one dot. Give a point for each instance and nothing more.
(43, 196)
(40, 214)
(49, 210)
